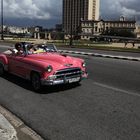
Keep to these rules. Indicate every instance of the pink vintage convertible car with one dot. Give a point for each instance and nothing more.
(44, 66)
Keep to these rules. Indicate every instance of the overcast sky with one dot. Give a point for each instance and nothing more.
(49, 12)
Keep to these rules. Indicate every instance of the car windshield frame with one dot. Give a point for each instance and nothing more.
(47, 47)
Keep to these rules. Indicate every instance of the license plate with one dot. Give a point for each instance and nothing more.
(74, 80)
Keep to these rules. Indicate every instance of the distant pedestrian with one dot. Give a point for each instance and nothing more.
(133, 43)
(125, 44)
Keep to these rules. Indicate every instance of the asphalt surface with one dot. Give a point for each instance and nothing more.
(106, 106)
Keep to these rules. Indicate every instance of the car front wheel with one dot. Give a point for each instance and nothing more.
(35, 81)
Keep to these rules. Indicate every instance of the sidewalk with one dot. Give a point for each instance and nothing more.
(12, 128)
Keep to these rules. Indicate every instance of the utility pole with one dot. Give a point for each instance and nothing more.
(2, 38)
(71, 26)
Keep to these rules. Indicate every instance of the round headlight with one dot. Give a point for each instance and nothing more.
(83, 64)
(49, 68)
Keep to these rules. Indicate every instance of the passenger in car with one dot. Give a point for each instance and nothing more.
(18, 49)
(31, 49)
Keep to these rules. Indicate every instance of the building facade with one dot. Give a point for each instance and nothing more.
(17, 30)
(92, 27)
(75, 10)
(137, 30)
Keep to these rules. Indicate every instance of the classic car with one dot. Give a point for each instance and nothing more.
(44, 66)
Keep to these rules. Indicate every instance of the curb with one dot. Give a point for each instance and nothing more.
(102, 55)
(18, 124)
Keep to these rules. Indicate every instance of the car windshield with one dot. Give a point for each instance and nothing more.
(41, 48)
(46, 48)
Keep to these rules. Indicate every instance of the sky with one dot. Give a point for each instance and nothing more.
(47, 13)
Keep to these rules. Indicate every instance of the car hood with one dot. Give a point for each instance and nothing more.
(54, 59)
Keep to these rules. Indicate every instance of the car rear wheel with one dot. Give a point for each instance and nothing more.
(35, 81)
(1, 69)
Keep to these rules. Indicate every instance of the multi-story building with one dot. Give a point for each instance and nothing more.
(93, 27)
(75, 10)
(137, 30)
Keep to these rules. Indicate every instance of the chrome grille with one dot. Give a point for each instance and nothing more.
(68, 73)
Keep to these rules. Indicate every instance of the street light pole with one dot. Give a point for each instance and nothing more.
(2, 38)
(71, 27)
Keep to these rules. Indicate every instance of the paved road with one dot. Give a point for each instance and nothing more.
(105, 107)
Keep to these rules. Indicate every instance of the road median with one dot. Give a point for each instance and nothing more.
(102, 55)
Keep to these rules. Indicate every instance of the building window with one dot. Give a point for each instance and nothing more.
(106, 28)
(83, 30)
(89, 24)
(96, 29)
(89, 30)
(82, 24)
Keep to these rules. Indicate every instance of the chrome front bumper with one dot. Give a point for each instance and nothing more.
(64, 80)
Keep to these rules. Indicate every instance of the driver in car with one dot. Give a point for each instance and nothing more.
(31, 49)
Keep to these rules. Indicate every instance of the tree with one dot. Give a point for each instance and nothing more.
(57, 35)
(119, 32)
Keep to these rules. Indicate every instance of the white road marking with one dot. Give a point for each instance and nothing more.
(117, 89)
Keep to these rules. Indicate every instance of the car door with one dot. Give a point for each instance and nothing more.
(17, 65)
